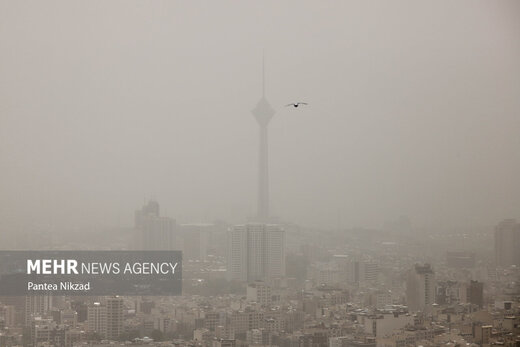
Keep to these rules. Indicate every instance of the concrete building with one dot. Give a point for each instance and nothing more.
(257, 337)
(201, 335)
(45, 332)
(475, 293)
(256, 252)
(8, 312)
(243, 321)
(420, 288)
(97, 319)
(153, 232)
(381, 325)
(328, 273)
(380, 299)
(224, 343)
(450, 292)
(507, 243)
(460, 259)
(259, 292)
(193, 240)
(482, 334)
(237, 254)
(225, 332)
(114, 307)
(68, 317)
(362, 272)
(37, 305)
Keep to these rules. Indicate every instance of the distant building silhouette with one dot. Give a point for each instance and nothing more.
(194, 240)
(115, 318)
(507, 243)
(420, 288)
(154, 232)
(460, 259)
(256, 252)
(475, 293)
(362, 272)
(450, 292)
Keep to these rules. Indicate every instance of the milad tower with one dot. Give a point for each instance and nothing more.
(257, 250)
(263, 112)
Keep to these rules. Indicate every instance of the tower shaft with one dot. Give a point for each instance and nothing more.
(263, 176)
(263, 112)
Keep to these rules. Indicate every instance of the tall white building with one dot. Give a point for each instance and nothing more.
(97, 319)
(237, 254)
(275, 239)
(256, 252)
(420, 288)
(115, 317)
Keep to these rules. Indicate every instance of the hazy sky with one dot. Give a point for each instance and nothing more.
(414, 109)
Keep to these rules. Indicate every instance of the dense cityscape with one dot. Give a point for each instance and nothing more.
(280, 285)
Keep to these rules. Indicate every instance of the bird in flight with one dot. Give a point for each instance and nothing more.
(296, 104)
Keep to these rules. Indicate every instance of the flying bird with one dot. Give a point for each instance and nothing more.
(296, 104)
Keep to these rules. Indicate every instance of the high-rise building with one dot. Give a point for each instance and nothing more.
(194, 240)
(362, 272)
(475, 293)
(275, 252)
(37, 305)
(507, 243)
(256, 252)
(97, 319)
(154, 232)
(8, 312)
(237, 255)
(114, 307)
(420, 288)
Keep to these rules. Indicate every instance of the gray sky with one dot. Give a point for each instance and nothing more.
(414, 110)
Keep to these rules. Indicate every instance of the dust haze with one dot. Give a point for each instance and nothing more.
(414, 110)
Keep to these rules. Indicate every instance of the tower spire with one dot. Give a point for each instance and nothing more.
(263, 75)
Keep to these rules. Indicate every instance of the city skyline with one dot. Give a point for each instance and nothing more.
(334, 173)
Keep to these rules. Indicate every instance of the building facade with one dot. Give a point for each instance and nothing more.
(507, 243)
(153, 232)
(256, 252)
(420, 288)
